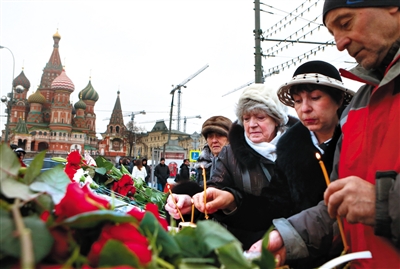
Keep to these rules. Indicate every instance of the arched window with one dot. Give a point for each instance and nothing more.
(117, 129)
(111, 129)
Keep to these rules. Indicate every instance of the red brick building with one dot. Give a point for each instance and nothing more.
(47, 119)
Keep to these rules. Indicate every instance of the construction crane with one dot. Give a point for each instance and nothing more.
(132, 114)
(178, 88)
(184, 121)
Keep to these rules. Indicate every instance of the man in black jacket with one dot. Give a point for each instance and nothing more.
(184, 172)
(162, 173)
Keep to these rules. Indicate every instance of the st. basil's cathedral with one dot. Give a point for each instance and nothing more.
(47, 120)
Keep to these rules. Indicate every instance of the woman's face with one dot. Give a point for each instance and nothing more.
(216, 142)
(317, 111)
(259, 127)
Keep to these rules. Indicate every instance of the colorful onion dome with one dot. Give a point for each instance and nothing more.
(22, 80)
(80, 104)
(89, 93)
(36, 97)
(73, 112)
(62, 82)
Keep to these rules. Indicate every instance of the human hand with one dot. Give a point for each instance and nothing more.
(183, 202)
(352, 198)
(216, 199)
(275, 246)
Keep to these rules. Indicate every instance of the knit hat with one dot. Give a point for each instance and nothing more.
(333, 4)
(265, 99)
(216, 124)
(314, 72)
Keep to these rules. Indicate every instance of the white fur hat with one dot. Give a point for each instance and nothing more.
(268, 101)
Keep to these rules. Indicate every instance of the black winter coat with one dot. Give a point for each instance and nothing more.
(298, 165)
(206, 160)
(184, 172)
(251, 178)
(162, 173)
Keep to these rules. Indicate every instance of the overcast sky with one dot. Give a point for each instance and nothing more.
(142, 48)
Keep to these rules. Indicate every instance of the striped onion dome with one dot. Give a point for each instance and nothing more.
(22, 80)
(62, 82)
(36, 97)
(89, 93)
(80, 105)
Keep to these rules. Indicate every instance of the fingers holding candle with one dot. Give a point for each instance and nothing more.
(205, 191)
(216, 200)
(173, 200)
(192, 217)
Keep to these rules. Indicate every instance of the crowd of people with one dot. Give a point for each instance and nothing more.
(272, 170)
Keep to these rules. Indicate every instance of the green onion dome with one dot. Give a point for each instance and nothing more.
(36, 97)
(89, 93)
(80, 105)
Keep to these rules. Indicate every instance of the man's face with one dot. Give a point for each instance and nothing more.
(366, 33)
(187, 162)
(216, 142)
(162, 162)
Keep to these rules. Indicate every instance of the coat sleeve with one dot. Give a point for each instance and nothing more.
(394, 211)
(307, 234)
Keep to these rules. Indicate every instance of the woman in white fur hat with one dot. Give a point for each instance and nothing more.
(237, 191)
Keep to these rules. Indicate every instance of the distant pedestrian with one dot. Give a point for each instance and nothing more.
(148, 171)
(139, 171)
(162, 173)
(184, 174)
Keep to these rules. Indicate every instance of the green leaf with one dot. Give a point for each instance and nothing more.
(14, 189)
(267, 258)
(191, 265)
(115, 253)
(231, 256)
(101, 162)
(212, 235)
(59, 159)
(188, 243)
(10, 244)
(9, 163)
(151, 227)
(34, 168)
(94, 218)
(101, 170)
(53, 182)
(124, 170)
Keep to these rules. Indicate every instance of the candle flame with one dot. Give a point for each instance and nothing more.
(192, 201)
(318, 156)
(201, 166)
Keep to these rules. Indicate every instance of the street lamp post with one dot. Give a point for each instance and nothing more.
(133, 128)
(9, 103)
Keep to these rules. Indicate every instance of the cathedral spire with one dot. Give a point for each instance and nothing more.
(116, 116)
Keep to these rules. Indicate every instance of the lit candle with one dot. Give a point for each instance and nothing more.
(321, 163)
(205, 188)
(339, 221)
(173, 199)
(192, 218)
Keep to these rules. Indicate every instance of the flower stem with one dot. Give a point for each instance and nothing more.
(27, 257)
(164, 264)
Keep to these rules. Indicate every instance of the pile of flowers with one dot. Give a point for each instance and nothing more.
(54, 220)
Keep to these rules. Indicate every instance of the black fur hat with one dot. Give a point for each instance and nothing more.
(314, 72)
(333, 4)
